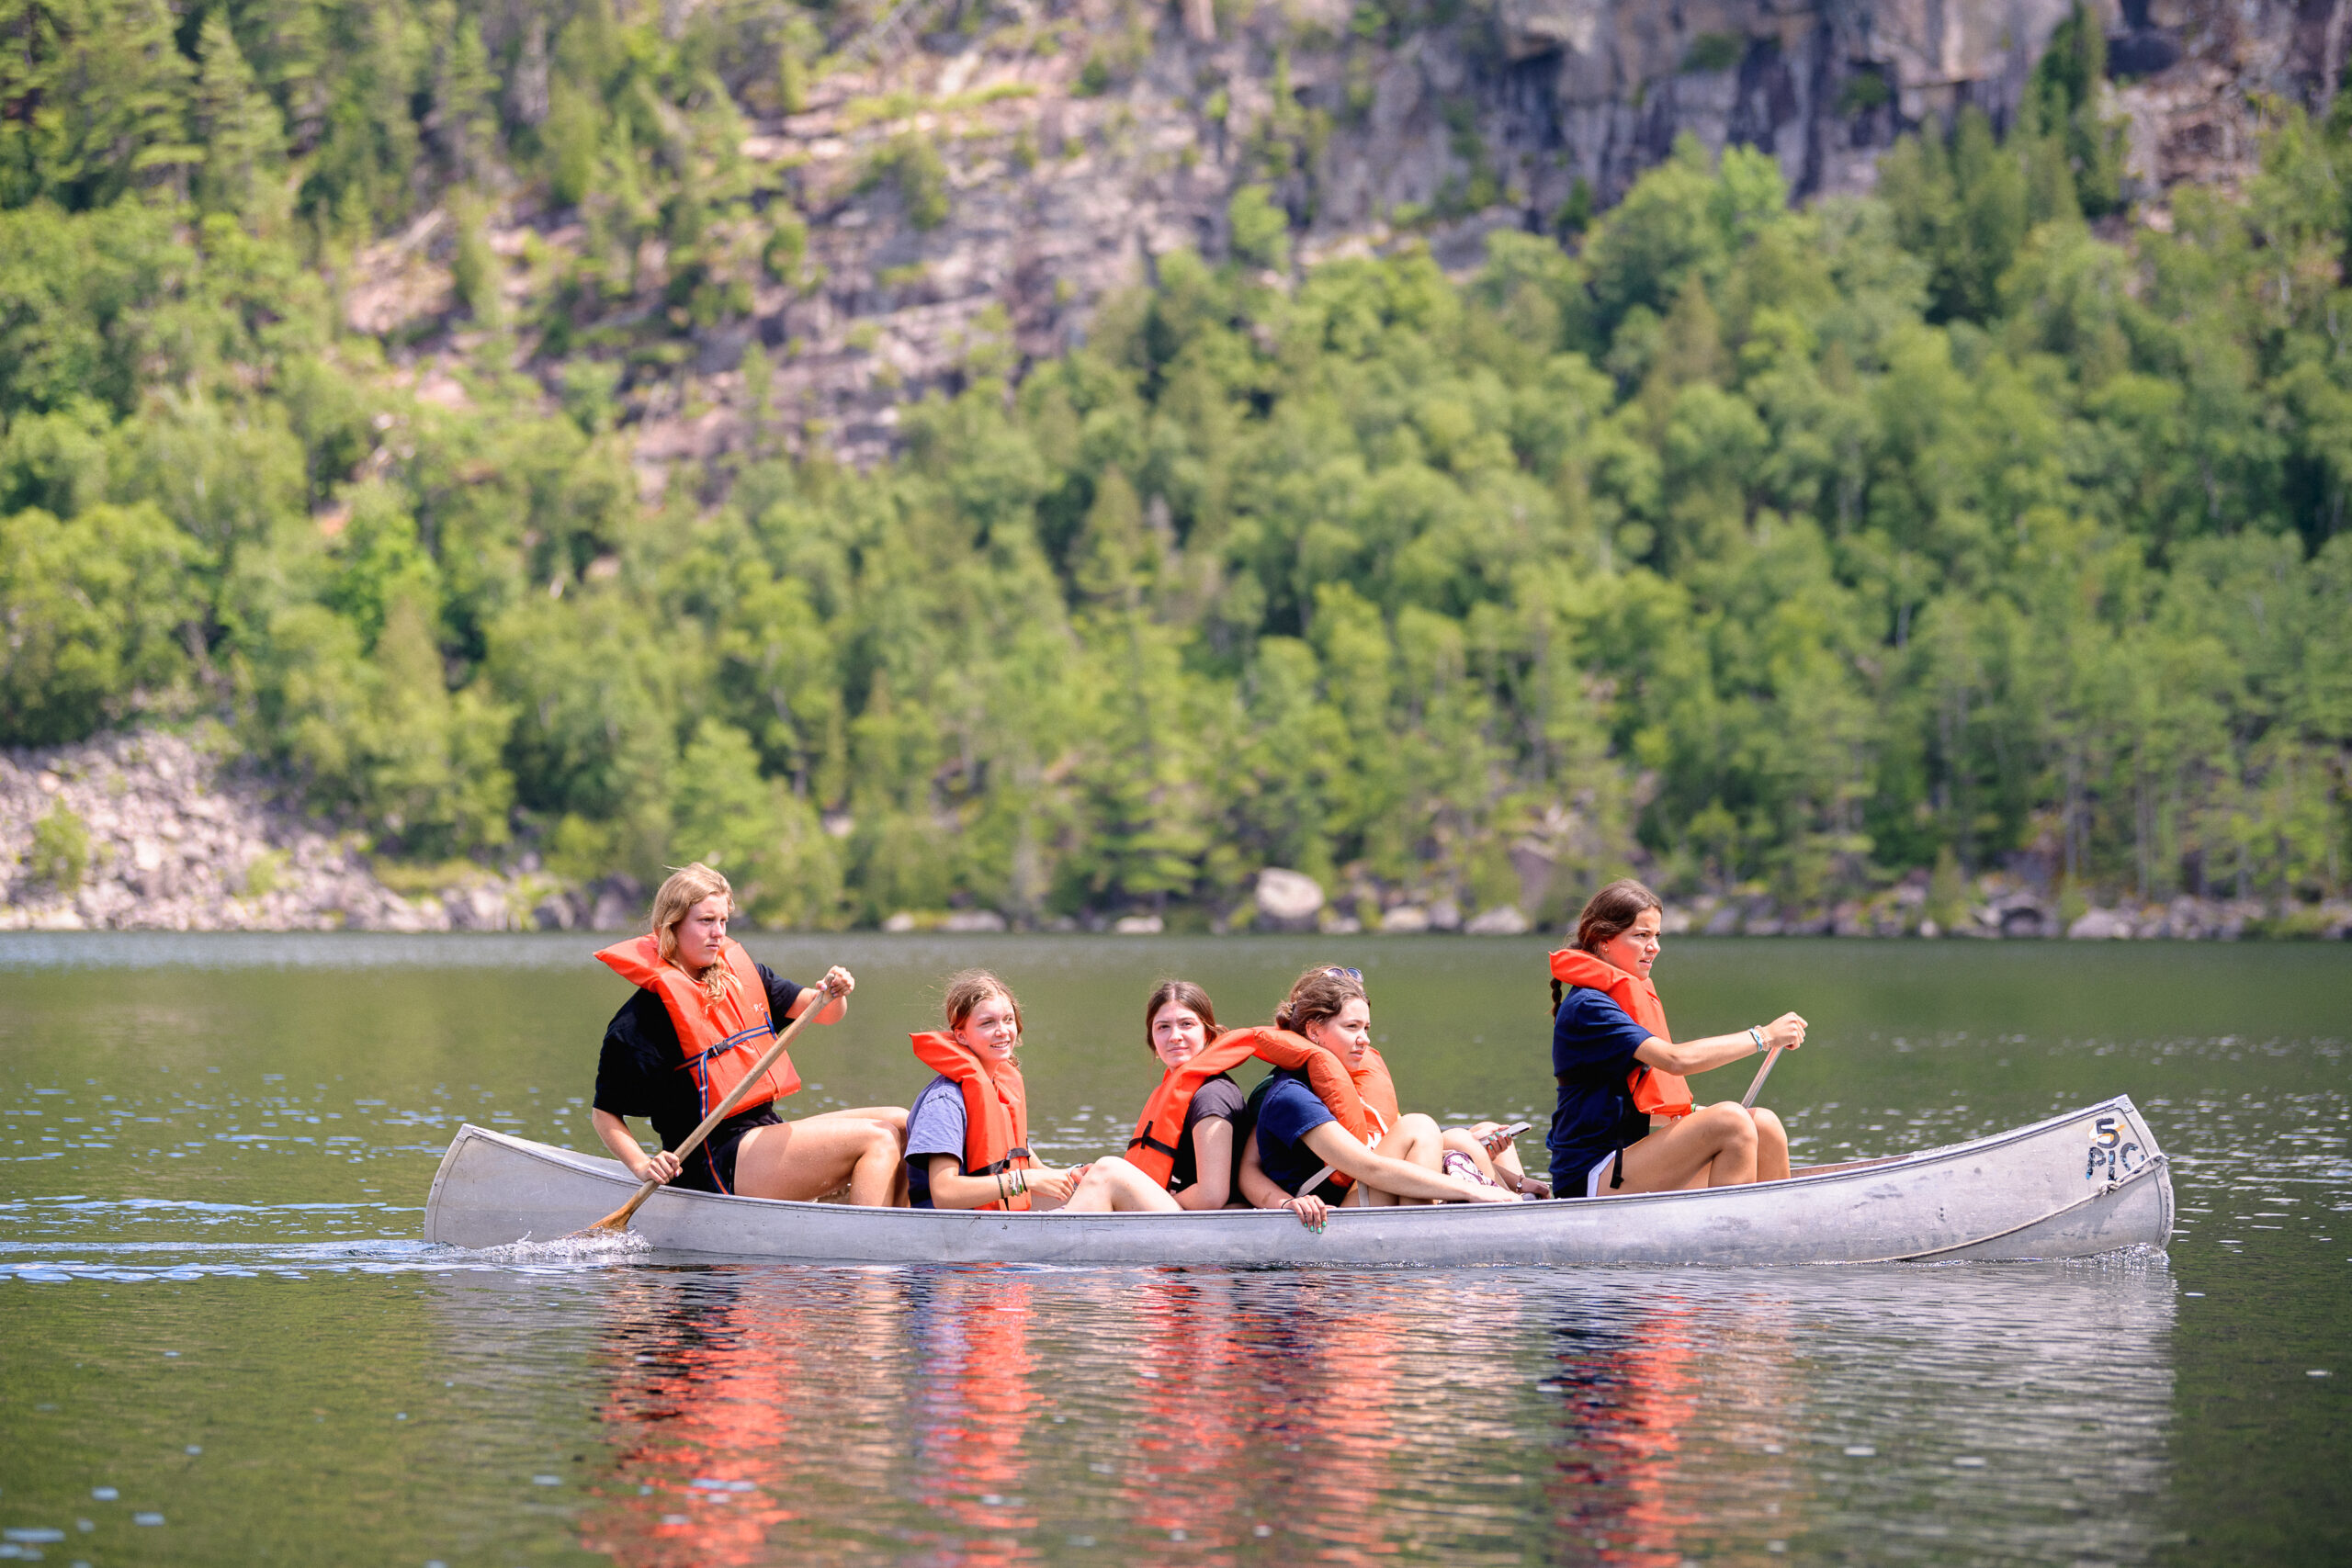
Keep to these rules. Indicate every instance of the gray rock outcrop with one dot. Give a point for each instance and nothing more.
(150, 831)
(1287, 900)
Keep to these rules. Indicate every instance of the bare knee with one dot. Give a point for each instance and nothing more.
(1730, 1125)
(1117, 1173)
(1768, 1125)
(1416, 1131)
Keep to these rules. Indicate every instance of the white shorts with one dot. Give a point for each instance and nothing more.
(1596, 1180)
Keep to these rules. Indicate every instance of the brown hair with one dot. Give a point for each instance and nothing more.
(1610, 915)
(686, 886)
(1317, 995)
(968, 988)
(1184, 994)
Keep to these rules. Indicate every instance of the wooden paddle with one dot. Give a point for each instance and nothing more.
(618, 1219)
(1749, 1100)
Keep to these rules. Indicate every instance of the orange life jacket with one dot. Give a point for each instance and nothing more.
(996, 1107)
(1654, 1093)
(1363, 1097)
(723, 1039)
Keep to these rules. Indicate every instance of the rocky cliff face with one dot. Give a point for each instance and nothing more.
(1081, 139)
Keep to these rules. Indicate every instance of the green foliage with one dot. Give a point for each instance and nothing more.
(1260, 230)
(911, 164)
(1865, 90)
(1748, 546)
(60, 853)
(91, 609)
(1713, 52)
(474, 267)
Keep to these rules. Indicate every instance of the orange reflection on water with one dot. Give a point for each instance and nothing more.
(1637, 1392)
(724, 1409)
(696, 1400)
(1254, 1423)
(972, 1339)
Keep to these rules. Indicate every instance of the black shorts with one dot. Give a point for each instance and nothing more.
(711, 1167)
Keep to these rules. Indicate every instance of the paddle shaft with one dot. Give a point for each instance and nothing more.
(618, 1219)
(1749, 1100)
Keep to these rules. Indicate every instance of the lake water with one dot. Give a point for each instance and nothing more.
(221, 1340)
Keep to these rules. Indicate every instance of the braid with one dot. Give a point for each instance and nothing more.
(1556, 995)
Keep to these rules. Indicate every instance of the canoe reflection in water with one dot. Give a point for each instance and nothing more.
(993, 1416)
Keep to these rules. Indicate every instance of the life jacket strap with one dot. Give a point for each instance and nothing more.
(1006, 1163)
(757, 1033)
(1146, 1141)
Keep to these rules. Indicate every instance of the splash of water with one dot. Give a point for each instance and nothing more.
(584, 1247)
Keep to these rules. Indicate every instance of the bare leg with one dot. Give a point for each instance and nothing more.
(895, 1115)
(1112, 1185)
(1714, 1148)
(808, 1159)
(1771, 1145)
(1415, 1138)
(894, 1118)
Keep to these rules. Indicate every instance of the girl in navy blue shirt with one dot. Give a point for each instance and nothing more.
(1297, 1136)
(1600, 1142)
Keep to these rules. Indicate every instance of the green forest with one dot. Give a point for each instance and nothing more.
(1752, 545)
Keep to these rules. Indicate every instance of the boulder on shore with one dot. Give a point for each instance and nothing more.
(1287, 900)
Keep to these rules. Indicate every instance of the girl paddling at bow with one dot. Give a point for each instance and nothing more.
(1624, 1121)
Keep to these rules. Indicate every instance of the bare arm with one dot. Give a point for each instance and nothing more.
(951, 1189)
(1786, 1032)
(624, 1145)
(1338, 1148)
(1258, 1190)
(1213, 1159)
(836, 1009)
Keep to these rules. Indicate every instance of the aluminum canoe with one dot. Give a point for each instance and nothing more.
(2079, 1184)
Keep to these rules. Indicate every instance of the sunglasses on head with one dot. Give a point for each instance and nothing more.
(1338, 972)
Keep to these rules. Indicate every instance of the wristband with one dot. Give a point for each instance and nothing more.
(1757, 1035)
(1002, 1195)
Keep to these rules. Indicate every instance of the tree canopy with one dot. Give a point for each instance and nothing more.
(1799, 547)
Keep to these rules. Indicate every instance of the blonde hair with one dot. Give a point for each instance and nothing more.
(686, 886)
(968, 988)
(1316, 996)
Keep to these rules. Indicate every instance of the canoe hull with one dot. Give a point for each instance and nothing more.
(2080, 1184)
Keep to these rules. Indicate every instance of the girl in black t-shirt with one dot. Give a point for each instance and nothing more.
(642, 1072)
(1179, 1021)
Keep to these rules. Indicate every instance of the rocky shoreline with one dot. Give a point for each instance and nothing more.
(158, 830)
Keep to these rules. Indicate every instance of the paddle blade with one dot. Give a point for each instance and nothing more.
(618, 1219)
